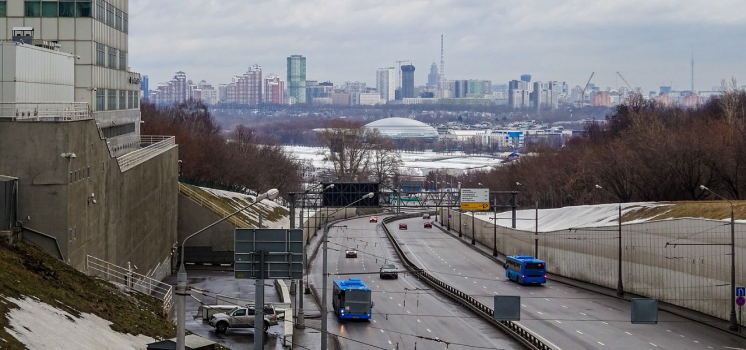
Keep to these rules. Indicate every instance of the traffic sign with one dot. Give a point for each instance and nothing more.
(741, 291)
(475, 199)
(740, 301)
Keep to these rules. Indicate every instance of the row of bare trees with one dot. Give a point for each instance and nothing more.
(237, 161)
(644, 152)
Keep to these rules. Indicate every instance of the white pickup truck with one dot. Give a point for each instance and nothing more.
(242, 317)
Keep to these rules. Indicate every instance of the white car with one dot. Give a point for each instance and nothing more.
(388, 271)
(242, 317)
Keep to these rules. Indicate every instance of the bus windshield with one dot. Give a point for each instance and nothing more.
(358, 301)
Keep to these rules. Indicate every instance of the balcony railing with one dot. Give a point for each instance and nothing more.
(45, 111)
(152, 147)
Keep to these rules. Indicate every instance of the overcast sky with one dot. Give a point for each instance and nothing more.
(649, 41)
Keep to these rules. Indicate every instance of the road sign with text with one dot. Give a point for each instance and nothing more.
(475, 199)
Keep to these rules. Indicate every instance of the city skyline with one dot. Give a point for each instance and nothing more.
(649, 43)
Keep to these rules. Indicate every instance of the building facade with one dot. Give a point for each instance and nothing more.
(433, 78)
(386, 83)
(246, 89)
(407, 78)
(297, 78)
(274, 90)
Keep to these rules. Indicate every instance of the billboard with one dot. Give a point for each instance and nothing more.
(345, 193)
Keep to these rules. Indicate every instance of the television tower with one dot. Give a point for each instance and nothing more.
(693, 70)
(442, 80)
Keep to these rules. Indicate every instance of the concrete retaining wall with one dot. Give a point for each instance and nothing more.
(134, 215)
(692, 276)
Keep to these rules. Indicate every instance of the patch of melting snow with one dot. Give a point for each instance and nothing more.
(41, 326)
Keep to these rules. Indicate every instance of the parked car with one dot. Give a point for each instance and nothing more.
(426, 216)
(388, 271)
(373, 219)
(351, 252)
(402, 226)
(242, 317)
(428, 224)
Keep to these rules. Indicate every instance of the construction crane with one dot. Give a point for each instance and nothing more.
(398, 72)
(581, 101)
(633, 93)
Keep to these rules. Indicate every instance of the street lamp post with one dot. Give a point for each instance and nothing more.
(181, 276)
(619, 285)
(733, 322)
(494, 238)
(301, 313)
(324, 322)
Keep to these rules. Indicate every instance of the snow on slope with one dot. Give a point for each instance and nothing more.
(567, 217)
(41, 326)
(239, 200)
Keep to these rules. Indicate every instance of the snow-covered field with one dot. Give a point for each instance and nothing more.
(423, 162)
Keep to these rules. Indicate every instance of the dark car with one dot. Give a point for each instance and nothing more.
(351, 252)
(402, 226)
(428, 225)
(388, 271)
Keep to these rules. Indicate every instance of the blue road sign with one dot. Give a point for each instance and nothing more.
(740, 301)
(741, 291)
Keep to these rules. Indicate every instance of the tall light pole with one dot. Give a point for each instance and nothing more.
(494, 218)
(324, 322)
(181, 276)
(536, 227)
(301, 313)
(619, 285)
(733, 323)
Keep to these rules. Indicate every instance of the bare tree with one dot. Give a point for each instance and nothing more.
(348, 146)
(385, 161)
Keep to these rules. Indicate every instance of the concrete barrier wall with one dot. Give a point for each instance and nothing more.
(134, 215)
(692, 276)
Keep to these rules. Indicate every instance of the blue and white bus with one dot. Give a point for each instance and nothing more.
(525, 269)
(352, 299)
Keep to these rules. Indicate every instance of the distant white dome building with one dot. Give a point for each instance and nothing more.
(403, 128)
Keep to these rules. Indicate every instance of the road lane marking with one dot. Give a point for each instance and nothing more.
(558, 321)
(654, 345)
(547, 299)
(428, 329)
(579, 332)
(628, 333)
(600, 343)
(390, 343)
(539, 312)
(564, 306)
(583, 314)
(604, 322)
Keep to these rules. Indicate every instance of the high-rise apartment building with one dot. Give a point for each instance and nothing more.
(246, 89)
(407, 78)
(519, 93)
(297, 78)
(354, 88)
(386, 83)
(144, 86)
(434, 77)
(274, 90)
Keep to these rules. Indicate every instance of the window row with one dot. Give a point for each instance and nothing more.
(117, 130)
(80, 174)
(104, 12)
(110, 99)
(112, 16)
(117, 59)
(61, 8)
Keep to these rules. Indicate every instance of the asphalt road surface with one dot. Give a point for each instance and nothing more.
(567, 317)
(406, 315)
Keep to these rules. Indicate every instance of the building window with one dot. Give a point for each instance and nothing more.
(112, 103)
(83, 8)
(101, 10)
(3, 8)
(67, 8)
(122, 99)
(49, 8)
(122, 60)
(118, 130)
(100, 99)
(126, 25)
(100, 55)
(130, 100)
(32, 9)
(118, 23)
(136, 100)
(109, 14)
(112, 58)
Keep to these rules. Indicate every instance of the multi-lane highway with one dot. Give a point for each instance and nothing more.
(566, 317)
(406, 311)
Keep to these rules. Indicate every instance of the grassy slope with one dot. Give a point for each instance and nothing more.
(717, 210)
(27, 271)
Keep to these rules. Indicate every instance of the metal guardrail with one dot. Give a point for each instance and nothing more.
(131, 280)
(511, 328)
(201, 200)
(155, 146)
(45, 111)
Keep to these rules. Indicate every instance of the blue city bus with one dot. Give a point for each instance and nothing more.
(352, 299)
(525, 269)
